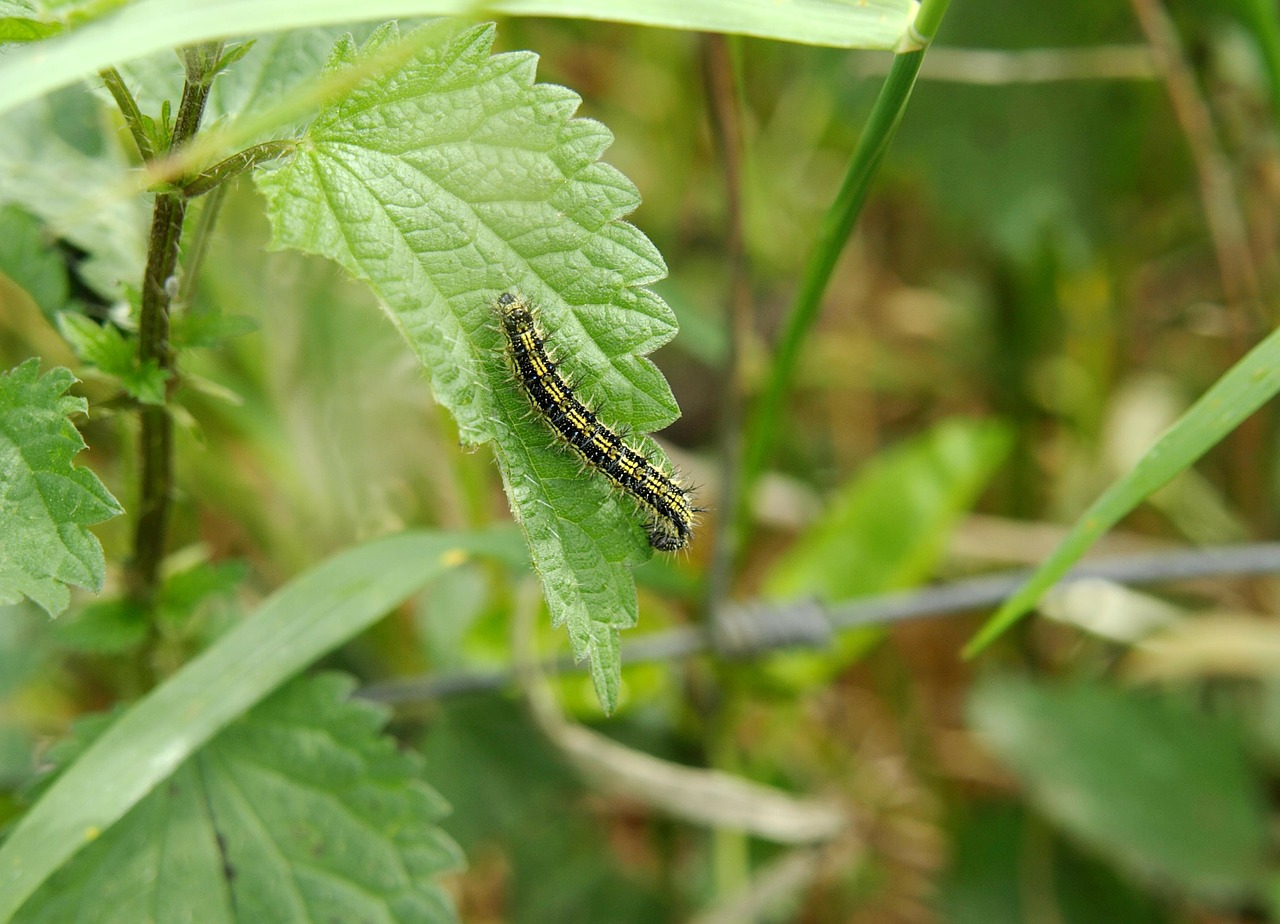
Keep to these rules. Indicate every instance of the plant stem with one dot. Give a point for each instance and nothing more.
(832, 235)
(1264, 20)
(726, 125)
(236, 164)
(1247, 308)
(155, 442)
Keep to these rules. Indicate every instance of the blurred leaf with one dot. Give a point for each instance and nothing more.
(27, 258)
(446, 613)
(24, 647)
(885, 530)
(298, 811)
(456, 178)
(982, 884)
(136, 32)
(1007, 868)
(312, 615)
(105, 348)
(1163, 791)
(106, 627)
(268, 70)
(77, 195)
(17, 757)
(184, 592)
(23, 21)
(504, 779)
(1248, 384)
(195, 329)
(46, 503)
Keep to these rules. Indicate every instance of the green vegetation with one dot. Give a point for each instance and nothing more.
(305, 617)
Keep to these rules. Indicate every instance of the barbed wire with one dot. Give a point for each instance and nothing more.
(760, 627)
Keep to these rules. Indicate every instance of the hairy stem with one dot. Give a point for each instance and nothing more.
(155, 441)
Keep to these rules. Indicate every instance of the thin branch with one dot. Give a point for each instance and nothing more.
(1227, 228)
(1217, 189)
(761, 628)
(695, 795)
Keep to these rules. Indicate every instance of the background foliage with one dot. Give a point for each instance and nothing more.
(1042, 278)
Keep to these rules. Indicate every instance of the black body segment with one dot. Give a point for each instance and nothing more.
(671, 514)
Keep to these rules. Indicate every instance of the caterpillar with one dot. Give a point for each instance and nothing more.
(666, 501)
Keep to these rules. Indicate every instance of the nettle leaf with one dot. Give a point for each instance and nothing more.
(448, 181)
(76, 194)
(253, 76)
(24, 21)
(299, 811)
(105, 348)
(29, 259)
(46, 503)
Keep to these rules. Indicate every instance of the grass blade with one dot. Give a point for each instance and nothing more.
(145, 28)
(308, 617)
(1246, 386)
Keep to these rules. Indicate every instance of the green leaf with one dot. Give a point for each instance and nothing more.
(27, 258)
(46, 503)
(139, 30)
(76, 194)
(1247, 385)
(299, 811)
(456, 178)
(105, 347)
(268, 70)
(308, 617)
(194, 329)
(1162, 790)
(115, 626)
(885, 530)
(993, 879)
(23, 21)
(105, 627)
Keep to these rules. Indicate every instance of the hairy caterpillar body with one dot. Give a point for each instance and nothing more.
(664, 499)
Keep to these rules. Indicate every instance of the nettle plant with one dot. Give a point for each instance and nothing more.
(441, 175)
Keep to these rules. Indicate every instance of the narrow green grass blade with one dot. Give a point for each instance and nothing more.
(1245, 387)
(837, 225)
(308, 617)
(144, 28)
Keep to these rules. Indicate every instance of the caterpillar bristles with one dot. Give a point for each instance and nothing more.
(666, 502)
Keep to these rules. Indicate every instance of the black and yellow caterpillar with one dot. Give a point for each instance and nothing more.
(664, 499)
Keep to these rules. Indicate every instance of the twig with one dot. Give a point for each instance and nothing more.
(1217, 190)
(1227, 229)
(693, 794)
